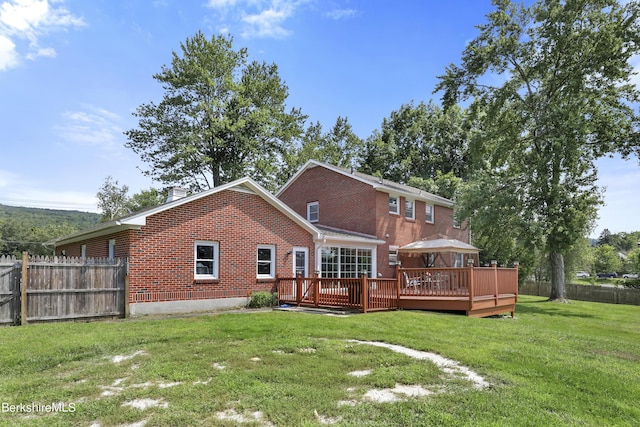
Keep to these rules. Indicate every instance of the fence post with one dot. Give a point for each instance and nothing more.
(316, 291)
(494, 263)
(127, 310)
(23, 289)
(365, 293)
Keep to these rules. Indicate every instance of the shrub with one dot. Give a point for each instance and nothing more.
(262, 299)
(632, 283)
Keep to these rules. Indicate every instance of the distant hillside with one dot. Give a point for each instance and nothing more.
(45, 217)
(27, 229)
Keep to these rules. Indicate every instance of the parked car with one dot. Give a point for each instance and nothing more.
(582, 274)
(630, 276)
(607, 275)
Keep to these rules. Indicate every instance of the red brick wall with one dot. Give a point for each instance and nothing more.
(349, 204)
(162, 253)
(344, 203)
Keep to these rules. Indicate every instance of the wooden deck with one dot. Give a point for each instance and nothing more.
(476, 291)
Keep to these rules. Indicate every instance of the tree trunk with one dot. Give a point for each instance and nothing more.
(558, 291)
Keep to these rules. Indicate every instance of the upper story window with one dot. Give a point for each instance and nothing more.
(429, 213)
(456, 223)
(313, 212)
(206, 256)
(394, 206)
(409, 209)
(266, 266)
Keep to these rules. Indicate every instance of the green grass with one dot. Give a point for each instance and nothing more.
(573, 364)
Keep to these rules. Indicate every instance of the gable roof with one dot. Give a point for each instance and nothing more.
(137, 220)
(377, 183)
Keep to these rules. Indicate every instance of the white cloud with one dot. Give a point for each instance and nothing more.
(267, 23)
(20, 190)
(342, 13)
(8, 55)
(256, 18)
(94, 127)
(31, 20)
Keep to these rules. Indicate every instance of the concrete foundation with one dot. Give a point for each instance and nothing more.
(186, 306)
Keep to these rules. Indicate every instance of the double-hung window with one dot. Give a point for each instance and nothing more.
(409, 209)
(313, 212)
(266, 262)
(206, 263)
(394, 206)
(429, 213)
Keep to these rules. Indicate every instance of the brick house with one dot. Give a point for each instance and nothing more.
(208, 250)
(386, 215)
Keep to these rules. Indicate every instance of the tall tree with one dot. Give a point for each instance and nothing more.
(340, 146)
(419, 141)
(221, 118)
(112, 199)
(551, 86)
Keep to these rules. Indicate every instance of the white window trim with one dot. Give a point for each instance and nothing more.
(309, 206)
(393, 250)
(306, 259)
(433, 213)
(413, 209)
(83, 251)
(272, 266)
(216, 259)
(397, 212)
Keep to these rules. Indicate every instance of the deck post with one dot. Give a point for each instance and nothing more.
(365, 293)
(298, 289)
(494, 264)
(471, 284)
(316, 291)
(398, 281)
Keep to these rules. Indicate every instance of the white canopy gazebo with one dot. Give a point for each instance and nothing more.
(439, 244)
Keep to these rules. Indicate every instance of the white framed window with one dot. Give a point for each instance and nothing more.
(409, 209)
(83, 251)
(112, 248)
(394, 205)
(266, 262)
(313, 212)
(301, 261)
(346, 262)
(393, 254)
(206, 256)
(428, 210)
(456, 223)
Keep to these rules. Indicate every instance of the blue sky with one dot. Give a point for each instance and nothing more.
(73, 71)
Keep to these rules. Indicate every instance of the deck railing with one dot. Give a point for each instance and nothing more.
(366, 294)
(355, 293)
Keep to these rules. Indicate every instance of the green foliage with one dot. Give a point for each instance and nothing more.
(548, 108)
(419, 141)
(146, 199)
(632, 263)
(221, 118)
(339, 147)
(27, 229)
(263, 299)
(112, 199)
(606, 259)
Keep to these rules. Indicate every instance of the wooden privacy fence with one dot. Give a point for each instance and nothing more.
(40, 289)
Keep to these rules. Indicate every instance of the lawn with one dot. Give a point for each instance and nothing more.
(573, 364)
